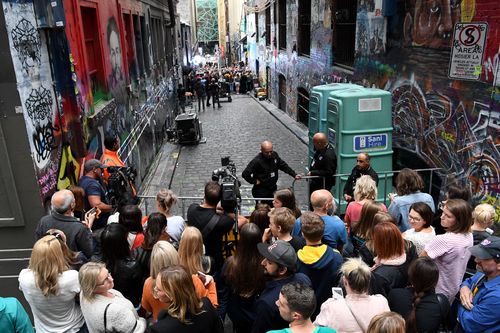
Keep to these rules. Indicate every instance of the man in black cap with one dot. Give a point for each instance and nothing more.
(279, 267)
(95, 194)
(480, 294)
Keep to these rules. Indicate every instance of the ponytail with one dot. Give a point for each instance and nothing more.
(411, 319)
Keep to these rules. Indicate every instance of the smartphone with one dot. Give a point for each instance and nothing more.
(91, 211)
(336, 291)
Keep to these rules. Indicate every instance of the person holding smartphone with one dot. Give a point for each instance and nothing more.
(78, 234)
(354, 312)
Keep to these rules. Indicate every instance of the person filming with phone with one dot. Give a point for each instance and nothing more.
(78, 233)
(354, 312)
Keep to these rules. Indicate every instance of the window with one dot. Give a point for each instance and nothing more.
(304, 29)
(344, 32)
(303, 106)
(138, 44)
(129, 39)
(145, 35)
(257, 27)
(282, 24)
(268, 26)
(93, 53)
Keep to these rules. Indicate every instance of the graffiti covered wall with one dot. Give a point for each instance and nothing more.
(104, 70)
(35, 86)
(405, 47)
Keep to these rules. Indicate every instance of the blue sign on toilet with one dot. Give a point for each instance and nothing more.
(370, 142)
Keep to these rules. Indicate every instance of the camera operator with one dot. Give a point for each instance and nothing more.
(262, 172)
(95, 194)
(213, 225)
(110, 156)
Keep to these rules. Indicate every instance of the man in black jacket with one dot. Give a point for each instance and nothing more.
(213, 231)
(78, 234)
(262, 172)
(324, 164)
(362, 168)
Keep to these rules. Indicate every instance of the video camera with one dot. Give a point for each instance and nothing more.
(228, 180)
(120, 184)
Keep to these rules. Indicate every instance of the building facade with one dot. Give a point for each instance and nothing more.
(440, 62)
(76, 71)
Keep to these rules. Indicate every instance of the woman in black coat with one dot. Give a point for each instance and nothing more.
(423, 309)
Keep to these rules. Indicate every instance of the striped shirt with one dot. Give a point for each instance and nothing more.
(450, 253)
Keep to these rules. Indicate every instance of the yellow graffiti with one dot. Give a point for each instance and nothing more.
(69, 169)
(448, 136)
(468, 10)
(495, 202)
(478, 70)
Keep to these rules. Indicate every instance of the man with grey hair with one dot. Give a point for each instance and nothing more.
(324, 206)
(78, 234)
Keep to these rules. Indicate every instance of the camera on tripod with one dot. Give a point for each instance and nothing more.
(230, 184)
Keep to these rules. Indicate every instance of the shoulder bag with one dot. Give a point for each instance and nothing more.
(113, 330)
(443, 326)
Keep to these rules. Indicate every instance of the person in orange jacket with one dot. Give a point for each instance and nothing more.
(110, 156)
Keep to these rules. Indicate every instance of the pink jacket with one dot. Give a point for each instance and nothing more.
(335, 313)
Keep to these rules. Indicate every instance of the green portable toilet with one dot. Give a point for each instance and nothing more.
(317, 108)
(360, 120)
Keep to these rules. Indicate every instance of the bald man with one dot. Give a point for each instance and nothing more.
(262, 172)
(324, 164)
(335, 234)
(361, 168)
(78, 235)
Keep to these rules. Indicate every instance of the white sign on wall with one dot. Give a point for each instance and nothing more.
(467, 50)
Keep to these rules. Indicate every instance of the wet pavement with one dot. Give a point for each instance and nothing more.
(236, 130)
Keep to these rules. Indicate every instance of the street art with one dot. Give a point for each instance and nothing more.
(450, 124)
(26, 41)
(34, 84)
(431, 24)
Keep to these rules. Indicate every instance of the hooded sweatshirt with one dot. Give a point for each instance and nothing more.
(321, 264)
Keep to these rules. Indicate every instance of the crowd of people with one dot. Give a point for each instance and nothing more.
(210, 83)
(409, 267)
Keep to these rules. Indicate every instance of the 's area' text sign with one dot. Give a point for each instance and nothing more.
(467, 50)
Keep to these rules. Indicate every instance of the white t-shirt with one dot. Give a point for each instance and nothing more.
(175, 227)
(53, 313)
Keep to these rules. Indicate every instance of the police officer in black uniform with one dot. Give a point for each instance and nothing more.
(324, 164)
(262, 172)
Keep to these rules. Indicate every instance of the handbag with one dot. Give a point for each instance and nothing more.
(113, 330)
(443, 326)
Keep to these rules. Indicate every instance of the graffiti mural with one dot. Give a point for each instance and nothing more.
(26, 41)
(34, 83)
(404, 47)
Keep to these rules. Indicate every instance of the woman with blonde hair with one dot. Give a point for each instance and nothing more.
(165, 255)
(185, 311)
(165, 199)
(352, 314)
(50, 287)
(387, 322)
(104, 308)
(483, 217)
(365, 190)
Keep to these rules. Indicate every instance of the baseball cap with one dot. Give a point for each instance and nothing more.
(92, 164)
(280, 252)
(489, 248)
